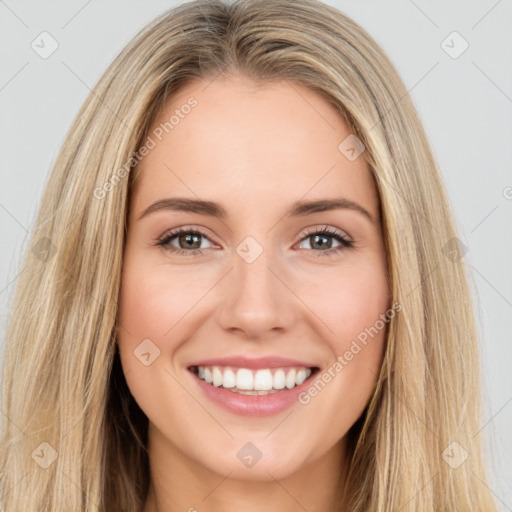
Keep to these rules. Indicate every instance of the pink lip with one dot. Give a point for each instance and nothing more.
(251, 405)
(253, 363)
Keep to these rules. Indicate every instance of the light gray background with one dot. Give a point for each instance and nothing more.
(465, 104)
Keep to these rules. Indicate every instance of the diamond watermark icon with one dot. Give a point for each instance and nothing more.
(454, 45)
(454, 249)
(146, 352)
(249, 249)
(45, 455)
(44, 45)
(249, 455)
(454, 455)
(351, 147)
(44, 249)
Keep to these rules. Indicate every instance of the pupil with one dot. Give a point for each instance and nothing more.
(316, 237)
(189, 240)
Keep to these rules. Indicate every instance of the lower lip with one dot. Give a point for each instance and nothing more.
(252, 405)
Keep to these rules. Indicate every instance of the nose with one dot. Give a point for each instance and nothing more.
(256, 298)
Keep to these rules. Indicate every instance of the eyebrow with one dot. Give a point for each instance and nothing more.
(298, 208)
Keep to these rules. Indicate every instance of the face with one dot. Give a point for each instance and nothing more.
(239, 291)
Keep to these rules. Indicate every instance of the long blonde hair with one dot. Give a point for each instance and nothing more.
(73, 438)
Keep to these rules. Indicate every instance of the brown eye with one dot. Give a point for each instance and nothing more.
(321, 241)
(188, 241)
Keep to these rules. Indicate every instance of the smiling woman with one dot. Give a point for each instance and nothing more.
(242, 334)
(253, 298)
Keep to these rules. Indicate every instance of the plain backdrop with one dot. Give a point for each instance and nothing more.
(464, 99)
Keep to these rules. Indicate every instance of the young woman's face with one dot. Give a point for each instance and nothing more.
(254, 293)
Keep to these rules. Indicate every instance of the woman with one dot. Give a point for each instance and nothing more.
(185, 335)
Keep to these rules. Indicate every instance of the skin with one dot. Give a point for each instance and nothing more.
(255, 149)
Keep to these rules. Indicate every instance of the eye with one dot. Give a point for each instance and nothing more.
(320, 239)
(188, 238)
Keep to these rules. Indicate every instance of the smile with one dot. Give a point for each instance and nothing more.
(252, 382)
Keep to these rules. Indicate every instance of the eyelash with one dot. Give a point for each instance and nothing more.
(345, 242)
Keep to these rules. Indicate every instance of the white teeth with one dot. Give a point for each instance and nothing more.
(279, 380)
(299, 378)
(229, 379)
(217, 377)
(290, 379)
(253, 382)
(244, 379)
(262, 380)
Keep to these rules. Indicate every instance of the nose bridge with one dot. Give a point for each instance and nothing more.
(257, 300)
(252, 268)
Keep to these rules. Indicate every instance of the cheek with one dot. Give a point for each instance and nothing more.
(152, 299)
(350, 302)
(351, 306)
(140, 308)
(149, 306)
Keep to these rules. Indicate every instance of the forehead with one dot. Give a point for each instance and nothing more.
(250, 144)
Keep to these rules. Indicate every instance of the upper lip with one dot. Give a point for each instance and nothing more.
(253, 363)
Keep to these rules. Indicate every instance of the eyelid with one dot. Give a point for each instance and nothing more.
(186, 229)
(326, 227)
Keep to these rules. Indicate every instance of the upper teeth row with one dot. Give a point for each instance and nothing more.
(260, 380)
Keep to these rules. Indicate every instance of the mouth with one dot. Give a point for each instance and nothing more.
(252, 381)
